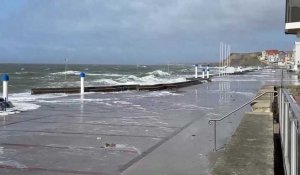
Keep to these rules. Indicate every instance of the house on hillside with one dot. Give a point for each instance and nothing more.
(271, 56)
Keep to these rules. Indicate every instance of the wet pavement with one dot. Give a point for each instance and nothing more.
(126, 133)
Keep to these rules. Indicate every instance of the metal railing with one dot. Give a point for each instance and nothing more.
(214, 121)
(289, 116)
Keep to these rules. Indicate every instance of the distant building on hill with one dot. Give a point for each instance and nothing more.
(271, 56)
(277, 57)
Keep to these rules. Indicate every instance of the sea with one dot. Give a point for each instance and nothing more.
(24, 77)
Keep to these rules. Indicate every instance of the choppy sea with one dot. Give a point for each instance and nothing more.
(24, 77)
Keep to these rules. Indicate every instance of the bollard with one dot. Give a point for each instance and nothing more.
(5, 79)
(82, 75)
(203, 73)
(207, 72)
(196, 70)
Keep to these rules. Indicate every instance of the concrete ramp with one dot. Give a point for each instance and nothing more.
(251, 149)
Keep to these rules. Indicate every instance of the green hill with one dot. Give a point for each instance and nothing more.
(246, 59)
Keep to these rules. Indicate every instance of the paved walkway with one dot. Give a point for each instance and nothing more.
(147, 133)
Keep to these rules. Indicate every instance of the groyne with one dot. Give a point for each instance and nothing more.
(156, 87)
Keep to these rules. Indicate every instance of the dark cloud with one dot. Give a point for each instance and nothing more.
(136, 31)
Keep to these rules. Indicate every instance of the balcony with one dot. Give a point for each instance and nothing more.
(292, 17)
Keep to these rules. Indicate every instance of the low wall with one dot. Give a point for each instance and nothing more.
(155, 87)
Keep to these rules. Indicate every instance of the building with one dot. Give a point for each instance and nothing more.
(271, 56)
(292, 17)
(292, 27)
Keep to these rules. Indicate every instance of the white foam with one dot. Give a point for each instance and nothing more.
(249, 94)
(146, 80)
(12, 163)
(20, 73)
(158, 94)
(19, 107)
(27, 97)
(69, 72)
(8, 112)
(125, 147)
(150, 78)
(233, 79)
(106, 82)
(214, 114)
(25, 106)
(78, 100)
(106, 75)
(180, 106)
(26, 102)
(122, 102)
(158, 73)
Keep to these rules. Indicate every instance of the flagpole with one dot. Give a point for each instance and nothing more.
(226, 58)
(220, 58)
(229, 56)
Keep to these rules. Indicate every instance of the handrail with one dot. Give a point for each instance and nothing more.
(227, 115)
(241, 106)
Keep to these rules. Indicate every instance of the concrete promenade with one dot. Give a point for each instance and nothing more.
(121, 133)
(132, 132)
(251, 149)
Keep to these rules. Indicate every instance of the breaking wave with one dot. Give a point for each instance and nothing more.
(158, 73)
(70, 72)
(150, 78)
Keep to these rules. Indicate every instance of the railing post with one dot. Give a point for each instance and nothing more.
(280, 110)
(286, 122)
(282, 130)
(289, 114)
(215, 135)
(293, 148)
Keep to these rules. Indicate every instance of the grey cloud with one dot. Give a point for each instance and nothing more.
(136, 31)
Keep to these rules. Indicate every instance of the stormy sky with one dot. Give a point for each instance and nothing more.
(137, 31)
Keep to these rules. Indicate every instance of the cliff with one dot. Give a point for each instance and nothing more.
(246, 59)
